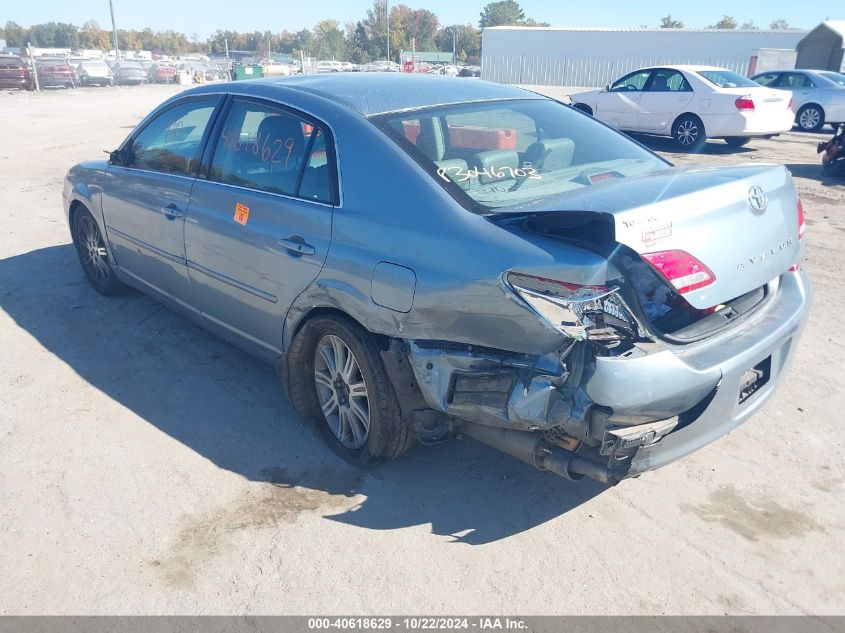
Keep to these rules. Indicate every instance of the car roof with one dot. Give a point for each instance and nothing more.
(379, 93)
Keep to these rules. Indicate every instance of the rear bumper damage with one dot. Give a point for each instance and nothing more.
(609, 417)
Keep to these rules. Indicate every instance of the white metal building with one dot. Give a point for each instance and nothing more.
(596, 56)
(822, 48)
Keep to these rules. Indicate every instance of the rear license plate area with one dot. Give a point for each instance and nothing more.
(754, 378)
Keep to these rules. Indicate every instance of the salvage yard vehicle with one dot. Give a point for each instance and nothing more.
(95, 73)
(129, 73)
(818, 96)
(162, 73)
(421, 257)
(690, 104)
(15, 73)
(55, 73)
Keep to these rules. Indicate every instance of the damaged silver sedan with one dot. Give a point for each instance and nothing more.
(422, 257)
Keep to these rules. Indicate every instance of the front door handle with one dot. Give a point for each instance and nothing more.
(172, 211)
(296, 245)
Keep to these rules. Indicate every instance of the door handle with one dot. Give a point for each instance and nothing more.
(297, 246)
(172, 211)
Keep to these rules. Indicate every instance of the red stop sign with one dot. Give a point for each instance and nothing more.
(408, 67)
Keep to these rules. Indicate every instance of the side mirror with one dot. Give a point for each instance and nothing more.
(115, 156)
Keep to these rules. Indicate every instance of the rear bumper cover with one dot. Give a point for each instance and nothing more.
(775, 335)
(698, 385)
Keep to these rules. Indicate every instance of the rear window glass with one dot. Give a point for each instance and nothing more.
(727, 79)
(837, 78)
(10, 62)
(130, 65)
(493, 155)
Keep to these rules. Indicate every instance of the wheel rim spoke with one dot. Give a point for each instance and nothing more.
(342, 391)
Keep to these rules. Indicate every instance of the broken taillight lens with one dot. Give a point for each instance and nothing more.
(682, 270)
(591, 312)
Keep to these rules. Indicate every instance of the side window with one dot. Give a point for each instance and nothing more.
(665, 80)
(630, 83)
(797, 80)
(170, 143)
(267, 148)
(769, 79)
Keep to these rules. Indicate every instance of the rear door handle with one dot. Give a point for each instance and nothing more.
(172, 211)
(297, 245)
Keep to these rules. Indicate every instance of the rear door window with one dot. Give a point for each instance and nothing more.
(272, 149)
(666, 80)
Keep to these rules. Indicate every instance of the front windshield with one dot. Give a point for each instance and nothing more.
(496, 154)
(727, 79)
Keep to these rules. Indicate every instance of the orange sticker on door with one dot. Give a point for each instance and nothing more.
(241, 213)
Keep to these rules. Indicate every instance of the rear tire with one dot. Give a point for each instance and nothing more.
(738, 141)
(93, 254)
(810, 118)
(688, 133)
(323, 384)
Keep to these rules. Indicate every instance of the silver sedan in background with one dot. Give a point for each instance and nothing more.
(818, 96)
(421, 257)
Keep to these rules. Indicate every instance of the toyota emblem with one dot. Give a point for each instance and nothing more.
(757, 198)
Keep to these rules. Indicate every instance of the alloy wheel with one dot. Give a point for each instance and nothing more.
(93, 249)
(342, 391)
(809, 119)
(687, 133)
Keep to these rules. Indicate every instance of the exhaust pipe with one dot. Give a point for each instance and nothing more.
(532, 449)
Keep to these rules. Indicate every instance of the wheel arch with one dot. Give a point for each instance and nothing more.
(686, 114)
(382, 341)
(583, 107)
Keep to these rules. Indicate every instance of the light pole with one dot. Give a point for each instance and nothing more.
(387, 14)
(114, 32)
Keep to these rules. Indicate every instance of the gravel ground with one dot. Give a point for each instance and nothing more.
(147, 467)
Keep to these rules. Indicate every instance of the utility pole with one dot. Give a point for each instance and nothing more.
(387, 12)
(454, 45)
(114, 32)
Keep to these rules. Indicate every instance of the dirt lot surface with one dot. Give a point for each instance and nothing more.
(147, 467)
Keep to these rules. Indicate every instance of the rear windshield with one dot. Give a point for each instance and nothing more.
(94, 65)
(837, 78)
(727, 79)
(497, 154)
(10, 62)
(131, 65)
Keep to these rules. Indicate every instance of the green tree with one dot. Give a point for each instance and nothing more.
(776, 25)
(329, 42)
(727, 22)
(501, 13)
(750, 26)
(667, 22)
(467, 40)
(15, 34)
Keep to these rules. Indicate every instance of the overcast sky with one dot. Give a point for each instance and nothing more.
(206, 16)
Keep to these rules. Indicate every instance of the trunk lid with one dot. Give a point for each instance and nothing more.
(766, 100)
(705, 211)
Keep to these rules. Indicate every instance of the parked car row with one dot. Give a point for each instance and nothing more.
(694, 103)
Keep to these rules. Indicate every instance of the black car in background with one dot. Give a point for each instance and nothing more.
(15, 73)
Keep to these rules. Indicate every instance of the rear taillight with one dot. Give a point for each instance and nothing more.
(802, 223)
(744, 103)
(583, 312)
(681, 269)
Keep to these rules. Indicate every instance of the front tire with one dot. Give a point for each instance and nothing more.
(810, 118)
(93, 255)
(337, 381)
(738, 141)
(689, 134)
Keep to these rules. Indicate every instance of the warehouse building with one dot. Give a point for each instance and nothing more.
(595, 56)
(822, 48)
